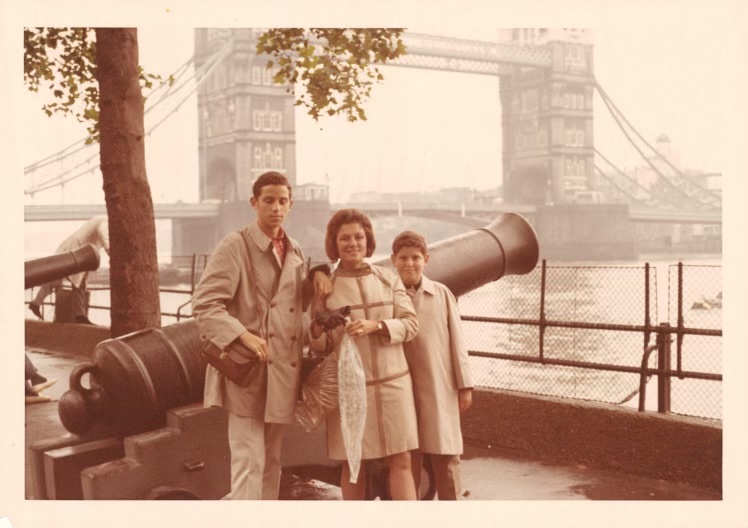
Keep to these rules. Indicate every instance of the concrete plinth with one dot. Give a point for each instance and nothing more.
(63, 466)
(191, 453)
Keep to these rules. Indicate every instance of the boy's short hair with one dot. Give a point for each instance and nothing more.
(269, 178)
(409, 239)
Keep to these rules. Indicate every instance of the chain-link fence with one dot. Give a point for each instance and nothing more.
(571, 332)
(695, 304)
(581, 332)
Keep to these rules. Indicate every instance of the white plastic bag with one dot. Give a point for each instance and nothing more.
(352, 395)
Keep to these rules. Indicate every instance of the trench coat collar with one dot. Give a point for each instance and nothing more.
(257, 236)
(427, 286)
(264, 242)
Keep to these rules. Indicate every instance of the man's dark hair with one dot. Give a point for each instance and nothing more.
(269, 178)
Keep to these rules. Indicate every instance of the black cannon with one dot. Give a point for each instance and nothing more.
(48, 269)
(506, 246)
(135, 379)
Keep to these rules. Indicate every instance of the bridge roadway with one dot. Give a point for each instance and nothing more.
(469, 214)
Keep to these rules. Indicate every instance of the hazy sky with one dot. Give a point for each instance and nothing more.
(430, 129)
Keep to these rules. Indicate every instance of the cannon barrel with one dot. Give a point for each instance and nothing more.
(506, 246)
(47, 269)
(135, 379)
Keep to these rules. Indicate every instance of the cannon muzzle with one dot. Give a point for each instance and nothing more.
(47, 269)
(506, 246)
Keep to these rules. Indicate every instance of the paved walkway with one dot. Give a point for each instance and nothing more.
(488, 474)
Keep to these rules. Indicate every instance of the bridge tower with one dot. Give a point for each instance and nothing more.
(246, 127)
(547, 134)
(246, 123)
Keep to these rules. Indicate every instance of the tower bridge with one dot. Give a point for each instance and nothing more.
(546, 88)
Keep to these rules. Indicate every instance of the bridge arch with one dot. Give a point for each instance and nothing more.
(221, 183)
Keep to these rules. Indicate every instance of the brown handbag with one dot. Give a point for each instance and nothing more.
(237, 363)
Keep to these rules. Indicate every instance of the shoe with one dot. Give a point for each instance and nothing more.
(35, 309)
(43, 385)
(36, 379)
(38, 399)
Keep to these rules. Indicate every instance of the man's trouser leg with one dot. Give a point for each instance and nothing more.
(255, 458)
(447, 476)
(272, 474)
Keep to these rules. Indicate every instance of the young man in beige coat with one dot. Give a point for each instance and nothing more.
(252, 291)
(438, 362)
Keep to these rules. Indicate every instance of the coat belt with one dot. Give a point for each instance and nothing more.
(387, 378)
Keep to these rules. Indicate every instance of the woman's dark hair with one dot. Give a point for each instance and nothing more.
(348, 216)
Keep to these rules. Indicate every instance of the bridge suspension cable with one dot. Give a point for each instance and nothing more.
(682, 184)
(172, 89)
(629, 186)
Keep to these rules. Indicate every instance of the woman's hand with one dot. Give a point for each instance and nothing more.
(362, 327)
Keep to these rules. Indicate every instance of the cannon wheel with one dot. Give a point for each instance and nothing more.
(170, 493)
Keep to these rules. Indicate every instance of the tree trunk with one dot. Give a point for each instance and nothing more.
(132, 229)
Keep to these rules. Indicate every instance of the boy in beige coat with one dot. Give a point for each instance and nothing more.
(252, 291)
(438, 362)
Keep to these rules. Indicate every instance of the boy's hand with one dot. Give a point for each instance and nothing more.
(465, 399)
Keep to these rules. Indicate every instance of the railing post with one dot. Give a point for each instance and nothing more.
(663, 365)
(541, 319)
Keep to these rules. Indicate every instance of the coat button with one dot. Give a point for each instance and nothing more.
(271, 335)
(294, 363)
(272, 304)
(293, 338)
(270, 361)
(291, 309)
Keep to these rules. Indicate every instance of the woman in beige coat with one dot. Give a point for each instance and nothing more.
(382, 319)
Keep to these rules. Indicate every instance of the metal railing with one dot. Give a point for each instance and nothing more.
(571, 354)
(563, 360)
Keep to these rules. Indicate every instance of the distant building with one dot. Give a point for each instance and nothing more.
(311, 192)
(455, 195)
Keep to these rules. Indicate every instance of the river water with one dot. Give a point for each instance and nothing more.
(600, 292)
